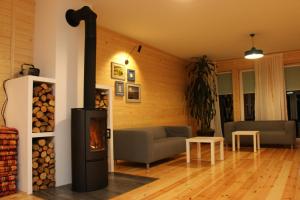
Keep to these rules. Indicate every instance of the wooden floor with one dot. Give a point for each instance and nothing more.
(272, 173)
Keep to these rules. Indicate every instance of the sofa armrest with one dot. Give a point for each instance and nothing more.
(133, 145)
(290, 130)
(179, 131)
(229, 127)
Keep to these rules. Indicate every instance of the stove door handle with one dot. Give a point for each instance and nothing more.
(108, 131)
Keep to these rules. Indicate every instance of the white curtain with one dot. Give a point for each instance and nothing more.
(216, 121)
(270, 93)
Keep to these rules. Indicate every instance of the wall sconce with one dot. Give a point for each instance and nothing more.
(139, 49)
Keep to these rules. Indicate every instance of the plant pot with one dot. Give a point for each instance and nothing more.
(206, 132)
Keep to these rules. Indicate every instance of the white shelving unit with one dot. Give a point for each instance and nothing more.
(111, 167)
(19, 115)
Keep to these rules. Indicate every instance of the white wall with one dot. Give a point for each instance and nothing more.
(58, 52)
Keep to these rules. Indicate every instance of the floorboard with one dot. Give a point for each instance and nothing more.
(271, 173)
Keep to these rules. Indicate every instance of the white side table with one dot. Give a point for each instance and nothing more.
(256, 139)
(199, 140)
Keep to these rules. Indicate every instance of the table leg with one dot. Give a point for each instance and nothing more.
(199, 150)
(258, 140)
(238, 142)
(233, 142)
(254, 142)
(221, 150)
(212, 153)
(188, 151)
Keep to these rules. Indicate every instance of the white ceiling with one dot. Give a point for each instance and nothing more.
(217, 28)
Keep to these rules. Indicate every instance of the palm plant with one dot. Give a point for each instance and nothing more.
(201, 92)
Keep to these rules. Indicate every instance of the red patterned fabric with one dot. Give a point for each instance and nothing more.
(8, 160)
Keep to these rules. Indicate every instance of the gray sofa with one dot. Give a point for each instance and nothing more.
(147, 145)
(271, 132)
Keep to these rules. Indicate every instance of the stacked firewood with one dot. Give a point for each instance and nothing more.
(101, 99)
(43, 108)
(8, 160)
(43, 164)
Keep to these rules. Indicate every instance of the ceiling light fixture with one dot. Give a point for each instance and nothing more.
(139, 49)
(253, 53)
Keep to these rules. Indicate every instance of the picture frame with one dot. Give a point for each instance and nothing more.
(117, 71)
(119, 88)
(133, 93)
(130, 75)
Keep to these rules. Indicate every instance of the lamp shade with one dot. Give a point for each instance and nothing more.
(254, 53)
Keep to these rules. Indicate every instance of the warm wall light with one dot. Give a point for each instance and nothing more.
(139, 49)
(253, 53)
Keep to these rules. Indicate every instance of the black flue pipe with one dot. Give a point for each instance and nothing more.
(73, 18)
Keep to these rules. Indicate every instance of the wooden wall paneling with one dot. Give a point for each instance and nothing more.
(16, 37)
(161, 76)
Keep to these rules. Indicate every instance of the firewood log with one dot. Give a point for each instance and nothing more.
(38, 124)
(43, 187)
(51, 123)
(45, 166)
(44, 154)
(44, 109)
(52, 165)
(40, 149)
(49, 151)
(52, 171)
(39, 114)
(40, 169)
(39, 182)
(46, 182)
(51, 145)
(52, 155)
(35, 165)
(45, 118)
(52, 161)
(43, 176)
(45, 148)
(35, 173)
(35, 179)
(47, 171)
(36, 130)
(49, 129)
(41, 160)
(35, 110)
(36, 91)
(35, 147)
(42, 142)
(34, 119)
(44, 86)
(35, 99)
(52, 103)
(51, 109)
(35, 154)
(43, 98)
(50, 115)
(47, 159)
(50, 96)
(38, 104)
(43, 128)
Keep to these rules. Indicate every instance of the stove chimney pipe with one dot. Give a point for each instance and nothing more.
(73, 18)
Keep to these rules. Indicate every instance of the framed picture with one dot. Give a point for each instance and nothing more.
(130, 75)
(119, 88)
(117, 71)
(133, 92)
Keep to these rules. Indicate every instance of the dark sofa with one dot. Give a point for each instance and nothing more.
(271, 132)
(147, 145)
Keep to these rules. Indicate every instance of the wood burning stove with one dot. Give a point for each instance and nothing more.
(88, 125)
(89, 149)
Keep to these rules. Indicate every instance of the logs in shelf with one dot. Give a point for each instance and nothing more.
(19, 114)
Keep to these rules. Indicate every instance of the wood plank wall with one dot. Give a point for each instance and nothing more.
(162, 78)
(16, 37)
(237, 65)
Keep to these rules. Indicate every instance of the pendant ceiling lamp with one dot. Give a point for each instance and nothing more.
(253, 53)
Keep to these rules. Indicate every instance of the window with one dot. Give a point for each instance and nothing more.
(292, 84)
(248, 81)
(224, 82)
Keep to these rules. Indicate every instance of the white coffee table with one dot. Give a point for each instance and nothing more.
(199, 140)
(256, 139)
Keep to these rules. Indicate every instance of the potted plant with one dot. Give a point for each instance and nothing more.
(200, 94)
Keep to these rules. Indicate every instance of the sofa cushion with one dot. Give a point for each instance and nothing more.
(260, 125)
(177, 131)
(157, 132)
(167, 147)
